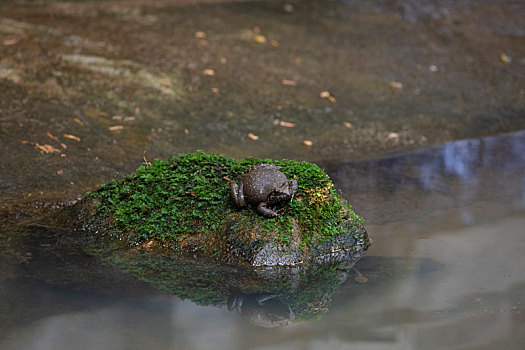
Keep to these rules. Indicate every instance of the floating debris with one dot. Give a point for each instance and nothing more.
(215, 90)
(60, 172)
(347, 125)
(186, 131)
(253, 137)
(208, 72)
(274, 43)
(433, 68)
(308, 143)
(116, 127)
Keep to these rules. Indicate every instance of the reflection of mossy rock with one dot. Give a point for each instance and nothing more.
(302, 294)
(183, 207)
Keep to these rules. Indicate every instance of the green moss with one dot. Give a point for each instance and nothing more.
(168, 201)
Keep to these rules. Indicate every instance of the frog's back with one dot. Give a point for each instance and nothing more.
(259, 183)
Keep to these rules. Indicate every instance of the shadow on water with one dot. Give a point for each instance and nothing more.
(440, 263)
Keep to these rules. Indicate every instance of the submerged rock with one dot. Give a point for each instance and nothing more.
(182, 207)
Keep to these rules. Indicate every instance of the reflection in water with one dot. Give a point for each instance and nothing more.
(456, 174)
(262, 309)
(446, 270)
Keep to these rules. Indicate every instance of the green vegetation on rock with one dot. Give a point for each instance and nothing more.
(185, 204)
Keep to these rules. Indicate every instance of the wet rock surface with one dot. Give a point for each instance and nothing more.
(182, 208)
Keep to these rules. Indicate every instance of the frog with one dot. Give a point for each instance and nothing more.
(263, 186)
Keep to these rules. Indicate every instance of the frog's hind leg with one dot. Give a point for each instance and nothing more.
(236, 192)
(263, 209)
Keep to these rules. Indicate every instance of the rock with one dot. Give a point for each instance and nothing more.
(182, 208)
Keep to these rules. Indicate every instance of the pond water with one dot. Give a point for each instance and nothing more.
(445, 271)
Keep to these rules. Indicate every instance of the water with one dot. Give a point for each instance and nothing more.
(445, 271)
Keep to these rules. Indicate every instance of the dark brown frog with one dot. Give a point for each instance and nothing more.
(263, 186)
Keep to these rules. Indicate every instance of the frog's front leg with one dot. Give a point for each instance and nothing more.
(263, 209)
(236, 192)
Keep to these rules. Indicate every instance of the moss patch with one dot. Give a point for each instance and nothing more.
(184, 204)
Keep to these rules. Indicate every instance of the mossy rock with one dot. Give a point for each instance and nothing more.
(182, 207)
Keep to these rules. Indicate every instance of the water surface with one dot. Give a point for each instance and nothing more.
(446, 271)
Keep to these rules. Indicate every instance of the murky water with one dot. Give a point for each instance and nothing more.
(446, 271)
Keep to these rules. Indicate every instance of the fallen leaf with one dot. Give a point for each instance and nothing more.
(393, 136)
(327, 95)
(60, 172)
(505, 58)
(208, 72)
(186, 131)
(200, 35)
(253, 137)
(51, 136)
(78, 121)
(72, 137)
(261, 39)
(215, 90)
(116, 127)
(117, 117)
(129, 119)
(287, 124)
(359, 278)
(274, 43)
(347, 125)
(289, 82)
(433, 68)
(47, 148)
(8, 42)
(308, 143)
(288, 8)
(223, 60)
(396, 85)
(63, 145)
